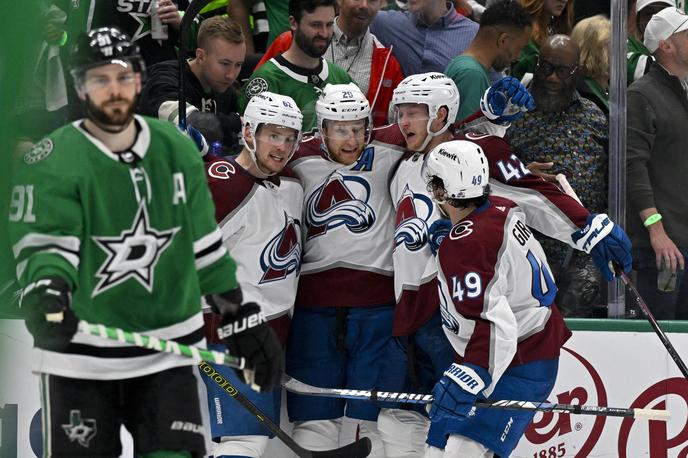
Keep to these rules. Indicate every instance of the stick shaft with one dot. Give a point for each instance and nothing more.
(211, 373)
(655, 326)
(161, 345)
(413, 398)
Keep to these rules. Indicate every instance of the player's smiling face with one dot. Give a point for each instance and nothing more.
(314, 31)
(274, 147)
(110, 92)
(412, 119)
(345, 140)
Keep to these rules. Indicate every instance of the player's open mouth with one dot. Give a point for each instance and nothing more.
(277, 158)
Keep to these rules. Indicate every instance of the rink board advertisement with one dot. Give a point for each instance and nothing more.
(627, 367)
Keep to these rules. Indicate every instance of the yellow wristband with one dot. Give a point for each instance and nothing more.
(652, 219)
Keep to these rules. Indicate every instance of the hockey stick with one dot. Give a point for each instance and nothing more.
(190, 14)
(298, 387)
(653, 322)
(639, 300)
(161, 345)
(359, 449)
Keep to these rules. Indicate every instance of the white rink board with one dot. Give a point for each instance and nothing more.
(618, 369)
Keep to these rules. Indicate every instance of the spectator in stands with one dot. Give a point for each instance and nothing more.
(211, 101)
(657, 165)
(426, 36)
(567, 134)
(639, 57)
(592, 35)
(504, 29)
(134, 19)
(549, 17)
(301, 71)
(271, 18)
(372, 66)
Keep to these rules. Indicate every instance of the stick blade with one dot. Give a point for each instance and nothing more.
(359, 449)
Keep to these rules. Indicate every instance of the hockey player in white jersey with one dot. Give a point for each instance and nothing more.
(422, 104)
(343, 313)
(498, 305)
(258, 204)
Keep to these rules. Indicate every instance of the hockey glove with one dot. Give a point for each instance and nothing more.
(437, 232)
(48, 317)
(457, 391)
(606, 242)
(246, 333)
(506, 100)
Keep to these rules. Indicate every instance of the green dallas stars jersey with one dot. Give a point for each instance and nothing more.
(134, 234)
(303, 85)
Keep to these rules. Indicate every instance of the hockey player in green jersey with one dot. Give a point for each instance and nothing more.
(112, 222)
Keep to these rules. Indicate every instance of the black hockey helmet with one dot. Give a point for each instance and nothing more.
(103, 46)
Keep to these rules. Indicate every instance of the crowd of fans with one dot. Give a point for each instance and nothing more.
(296, 47)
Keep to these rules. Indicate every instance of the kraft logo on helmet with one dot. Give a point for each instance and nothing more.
(445, 153)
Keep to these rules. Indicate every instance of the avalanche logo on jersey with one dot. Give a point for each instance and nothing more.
(282, 255)
(341, 200)
(411, 225)
(132, 254)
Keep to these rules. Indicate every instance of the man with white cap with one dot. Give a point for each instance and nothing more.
(638, 56)
(657, 164)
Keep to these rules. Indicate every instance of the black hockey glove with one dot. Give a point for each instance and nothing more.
(48, 317)
(246, 333)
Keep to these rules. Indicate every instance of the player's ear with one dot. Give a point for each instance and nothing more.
(293, 23)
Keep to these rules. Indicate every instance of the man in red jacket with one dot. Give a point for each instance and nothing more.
(372, 66)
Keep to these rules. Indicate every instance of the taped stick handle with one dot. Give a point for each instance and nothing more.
(161, 345)
(651, 414)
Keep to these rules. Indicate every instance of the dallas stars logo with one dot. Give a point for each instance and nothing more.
(80, 429)
(133, 254)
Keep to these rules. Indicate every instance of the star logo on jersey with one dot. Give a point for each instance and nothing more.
(132, 254)
(282, 254)
(411, 225)
(80, 429)
(339, 201)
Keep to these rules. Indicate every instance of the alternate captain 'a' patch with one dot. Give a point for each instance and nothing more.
(132, 254)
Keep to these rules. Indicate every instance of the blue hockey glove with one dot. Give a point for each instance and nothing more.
(437, 232)
(198, 139)
(47, 313)
(457, 391)
(506, 100)
(606, 242)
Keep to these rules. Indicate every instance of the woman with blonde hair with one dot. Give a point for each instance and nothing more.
(549, 17)
(592, 36)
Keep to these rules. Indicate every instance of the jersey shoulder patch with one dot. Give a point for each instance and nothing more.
(256, 86)
(40, 151)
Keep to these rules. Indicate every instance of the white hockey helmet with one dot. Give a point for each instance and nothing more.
(270, 108)
(343, 102)
(433, 89)
(459, 167)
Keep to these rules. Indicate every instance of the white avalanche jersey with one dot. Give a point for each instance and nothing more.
(414, 263)
(260, 221)
(546, 208)
(497, 303)
(348, 224)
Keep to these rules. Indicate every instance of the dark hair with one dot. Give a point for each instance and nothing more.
(506, 13)
(297, 7)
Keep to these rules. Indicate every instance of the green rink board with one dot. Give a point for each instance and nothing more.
(639, 325)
